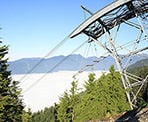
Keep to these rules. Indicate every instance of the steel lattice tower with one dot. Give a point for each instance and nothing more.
(109, 20)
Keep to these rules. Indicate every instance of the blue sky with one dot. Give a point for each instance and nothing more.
(32, 28)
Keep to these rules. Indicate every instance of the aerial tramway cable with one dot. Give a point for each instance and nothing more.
(56, 65)
(42, 59)
(103, 22)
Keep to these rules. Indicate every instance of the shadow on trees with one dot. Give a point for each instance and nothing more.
(129, 116)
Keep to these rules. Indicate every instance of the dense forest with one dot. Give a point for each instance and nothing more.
(102, 97)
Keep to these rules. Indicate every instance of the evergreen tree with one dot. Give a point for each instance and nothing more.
(66, 110)
(46, 115)
(102, 97)
(10, 102)
(112, 93)
(27, 116)
(88, 107)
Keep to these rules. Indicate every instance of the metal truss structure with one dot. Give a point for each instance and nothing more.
(109, 22)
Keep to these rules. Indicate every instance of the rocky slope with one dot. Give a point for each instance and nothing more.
(130, 116)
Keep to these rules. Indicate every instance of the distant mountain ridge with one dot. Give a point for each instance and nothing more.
(63, 63)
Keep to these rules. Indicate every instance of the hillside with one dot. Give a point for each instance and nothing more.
(141, 63)
(87, 109)
(140, 68)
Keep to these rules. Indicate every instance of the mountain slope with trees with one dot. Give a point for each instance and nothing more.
(140, 69)
(102, 97)
(141, 63)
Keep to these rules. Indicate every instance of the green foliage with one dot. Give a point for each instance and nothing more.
(113, 95)
(102, 97)
(140, 69)
(10, 100)
(66, 110)
(88, 105)
(46, 115)
(143, 72)
(27, 116)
